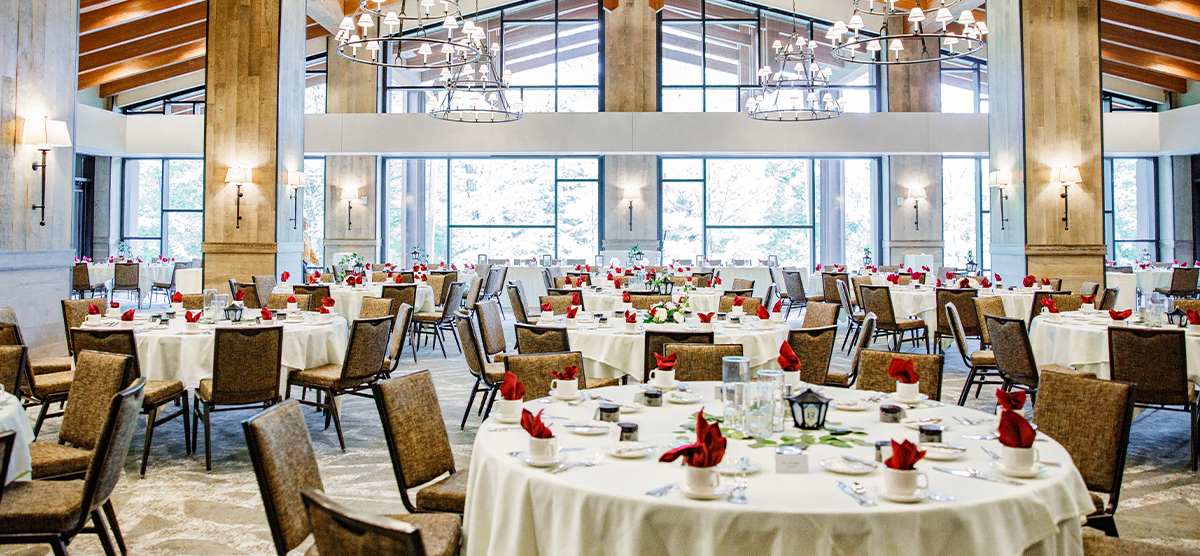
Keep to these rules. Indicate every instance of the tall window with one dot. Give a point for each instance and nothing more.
(314, 208)
(860, 202)
(163, 205)
(966, 220)
(1130, 199)
(711, 51)
(1110, 102)
(964, 86)
(552, 48)
(315, 72)
(190, 101)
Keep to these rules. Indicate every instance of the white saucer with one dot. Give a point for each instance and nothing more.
(920, 398)
(917, 496)
(1031, 473)
(634, 333)
(653, 386)
(160, 327)
(507, 421)
(614, 450)
(733, 469)
(191, 332)
(524, 456)
(718, 494)
(556, 398)
(844, 467)
(683, 398)
(942, 452)
(851, 405)
(590, 430)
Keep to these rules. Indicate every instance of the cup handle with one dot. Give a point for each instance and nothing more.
(653, 375)
(554, 383)
(922, 475)
(1037, 457)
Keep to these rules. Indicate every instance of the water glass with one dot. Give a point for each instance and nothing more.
(208, 297)
(774, 380)
(760, 409)
(735, 375)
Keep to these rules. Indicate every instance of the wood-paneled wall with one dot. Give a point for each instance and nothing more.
(631, 58)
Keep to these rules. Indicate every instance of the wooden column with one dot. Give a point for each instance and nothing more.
(1044, 67)
(38, 73)
(255, 118)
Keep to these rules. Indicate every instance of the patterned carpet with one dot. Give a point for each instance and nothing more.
(179, 509)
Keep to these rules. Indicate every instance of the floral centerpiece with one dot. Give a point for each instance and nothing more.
(351, 260)
(669, 311)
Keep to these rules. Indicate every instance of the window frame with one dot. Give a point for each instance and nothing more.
(982, 206)
(1110, 223)
(164, 182)
(977, 70)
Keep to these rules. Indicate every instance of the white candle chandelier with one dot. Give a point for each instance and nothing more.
(955, 39)
(395, 51)
(799, 90)
(476, 92)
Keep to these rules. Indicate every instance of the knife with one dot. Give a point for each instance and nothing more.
(980, 476)
(865, 462)
(862, 500)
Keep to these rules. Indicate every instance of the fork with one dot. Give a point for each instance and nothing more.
(662, 491)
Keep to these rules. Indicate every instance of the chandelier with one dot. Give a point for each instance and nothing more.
(887, 48)
(356, 43)
(799, 91)
(476, 92)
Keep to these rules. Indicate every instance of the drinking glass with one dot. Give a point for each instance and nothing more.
(760, 409)
(735, 375)
(208, 297)
(773, 379)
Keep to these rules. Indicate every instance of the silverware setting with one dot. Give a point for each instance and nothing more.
(853, 493)
(972, 422)
(996, 457)
(865, 462)
(971, 473)
(662, 491)
(636, 449)
(502, 429)
(589, 462)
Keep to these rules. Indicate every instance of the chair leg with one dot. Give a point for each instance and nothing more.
(455, 337)
(207, 437)
(58, 546)
(102, 532)
(471, 402)
(962, 398)
(111, 515)
(151, 414)
(337, 421)
(37, 425)
(188, 447)
(491, 400)
(440, 339)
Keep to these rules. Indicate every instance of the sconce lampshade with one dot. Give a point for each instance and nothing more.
(917, 192)
(349, 193)
(45, 133)
(1001, 178)
(631, 194)
(1069, 174)
(238, 174)
(294, 178)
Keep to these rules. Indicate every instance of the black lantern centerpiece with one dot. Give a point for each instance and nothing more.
(809, 409)
(971, 265)
(233, 312)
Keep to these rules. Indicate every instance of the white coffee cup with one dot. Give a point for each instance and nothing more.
(777, 317)
(791, 377)
(903, 482)
(1018, 459)
(738, 310)
(113, 313)
(572, 323)
(95, 319)
(631, 327)
(509, 410)
(547, 316)
(662, 378)
(626, 307)
(177, 307)
(565, 389)
(908, 391)
(291, 307)
(703, 480)
(543, 450)
(706, 327)
(191, 327)
(325, 318)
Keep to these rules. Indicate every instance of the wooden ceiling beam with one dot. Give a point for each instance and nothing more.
(1182, 8)
(126, 11)
(1150, 21)
(148, 45)
(142, 64)
(1144, 76)
(327, 13)
(1158, 44)
(150, 77)
(1150, 61)
(315, 31)
(126, 32)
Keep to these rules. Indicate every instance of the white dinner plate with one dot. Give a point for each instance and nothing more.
(556, 398)
(1031, 473)
(654, 386)
(524, 456)
(718, 494)
(919, 398)
(851, 405)
(844, 466)
(506, 421)
(589, 429)
(942, 452)
(630, 450)
(683, 397)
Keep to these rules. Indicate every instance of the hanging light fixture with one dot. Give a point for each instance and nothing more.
(935, 45)
(476, 91)
(799, 90)
(416, 51)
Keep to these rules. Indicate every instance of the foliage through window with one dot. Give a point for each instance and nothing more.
(1130, 199)
(163, 207)
(966, 212)
(314, 208)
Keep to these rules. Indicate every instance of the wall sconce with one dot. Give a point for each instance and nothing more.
(1001, 179)
(631, 194)
(916, 193)
(1065, 176)
(294, 180)
(239, 176)
(44, 134)
(349, 194)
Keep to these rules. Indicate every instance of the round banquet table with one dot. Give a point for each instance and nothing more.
(610, 353)
(347, 301)
(172, 355)
(148, 274)
(515, 509)
(13, 418)
(1130, 283)
(1082, 342)
(922, 303)
(189, 280)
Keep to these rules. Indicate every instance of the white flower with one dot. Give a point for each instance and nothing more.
(671, 306)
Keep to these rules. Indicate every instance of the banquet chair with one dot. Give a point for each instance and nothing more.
(576, 294)
(575, 276)
(856, 284)
(981, 364)
(81, 281)
(448, 277)
(488, 376)
(1036, 308)
(885, 269)
(873, 366)
(942, 270)
(777, 281)
(472, 297)
(484, 271)
(963, 301)
(679, 281)
(1090, 418)
(54, 512)
(1156, 362)
(1067, 301)
(829, 286)
(126, 278)
(326, 278)
(491, 330)
(436, 282)
(434, 323)
(496, 277)
(1183, 283)
(847, 379)
(854, 317)
(814, 347)
(406, 277)
(772, 298)
(1014, 355)
(246, 375)
(316, 294)
(559, 303)
(43, 389)
(158, 393)
(401, 323)
(418, 444)
(284, 465)
(535, 370)
(399, 294)
(516, 300)
(1098, 544)
(342, 530)
(375, 307)
(541, 339)
(379, 276)
(656, 340)
(51, 364)
(251, 301)
(744, 292)
(166, 288)
(195, 301)
(796, 297)
(725, 304)
(1056, 284)
(700, 362)
(1108, 301)
(100, 377)
(264, 285)
(984, 306)
(702, 279)
(1089, 288)
(364, 357)
(643, 301)
(280, 300)
(742, 284)
(548, 281)
(14, 366)
(819, 314)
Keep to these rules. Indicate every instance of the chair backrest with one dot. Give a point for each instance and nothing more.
(1036, 308)
(316, 293)
(1089, 288)
(642, 301)
(280, 300)
(516, 299)
(772, 297)
(856, 284)
(400, 328)
(109, 340)
(814, 347)
(700, 361)
(575, 294)
(794, 284)
(702, 279)
(956, 329)
(251, 301)
(1153, 359)
(541, 339)
(367, 348)
(491, 327)
(1109, 301)
(438, 283)
(558, 303)
(452, 300)
(575, 276)
(820, 314)
(75, 311)
(108, 457)
(246, 365)
(656, 340)
(1067, 302)
(878, 300)
(1014, 353)
(1183, 281)
(377, 276)
(7, 440)
(126, 276)
(725, 304)
(470, 346)
(534, 370)
(963, 302)
(14, 364)
(375, 307)
(1123, 269)
(984, 306)
(495, 281)
(80, 279)
(889, 268)
(829, 285)
(400, 294)
(414, 430)
(339, 529)
(1090, 418)
(10, 335)
(845, 296)
(264, 285)
(547, 279)
(865, 337)
(473, 293)
(742, 284)
(195, 301)
(285, 465)
(873, 365)
(98, 377)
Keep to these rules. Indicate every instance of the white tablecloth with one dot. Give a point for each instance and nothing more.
(189, 280)
(915, 262)
(760, 274)
(13, 418)
(701, 302)
(1083, 344)
(148, 274)
(347, 301)
(513, 509)
(1144, 280)
(923, 304)
(610, 353)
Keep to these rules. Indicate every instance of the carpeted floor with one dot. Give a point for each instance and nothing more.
(179, 509)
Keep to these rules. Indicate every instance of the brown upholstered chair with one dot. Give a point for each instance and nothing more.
(43, 389)
(873, 365)
(341, 530)
(418, 444)
(878, 300)
(400, 294)
(516, 300)
(251, 301)
(656, 340)
(847, 379)
(246, 375)
(264, 285)
(730, 292)
(1089, 288)
(326, 278)
(742, 284)
(1091, 419)
(575, 276)
(127, 278)
(439, 283)
(43, 365)
(829, 286)
(166, 288)
(285, 465)
(1156, 361)
(1035, 308)
(495, 282)
(702, 279)
(375, 307)
(472, 297)
(279, 301)
(14, 366)
(854, 317)
(378, 276)
(396, 342)
(700, 361)
(575, 294)
(491, 330)
(316, 293)
(963, 302)
(534, 370)
(364, 357)
(856, 284)
(541, 339)
(981, 364)
(81, 281)
(158, 394)
(725, 304)
(643, 301)
(1108, 301)
(820, 314)
(1014, 355)
(814, 347)
(797, 299)
(195, 301)
(559, 303)
(1183, 283)
(488, 376)
(434, 323)
(54, 512)
(1067, 302)
(984, 306)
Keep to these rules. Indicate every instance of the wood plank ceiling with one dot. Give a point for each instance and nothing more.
(126, 44)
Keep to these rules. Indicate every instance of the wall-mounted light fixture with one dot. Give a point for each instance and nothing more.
(1065, 176)
(239, 176)
(1001, 179)
(349, 194)
(916, 193)
(44, 134)
(631, 193)
(294, 181)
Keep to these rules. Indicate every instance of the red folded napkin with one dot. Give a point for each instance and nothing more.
(1045, 281)
(738, 301)
(327, 302)
(893, 278)
(547, 306)
(996, 277)
(762, 313)
(533, 424)
(904, 456)
(192, 317)
(1193, 317)
(267, 314)
(778, 308)
(1119, 315)
(917, 276)
(1012, 401)
(925, 268)
(617, 283)
(717, 281)
(578, 267)
(618, 269)
(705, 318)
(580, 282)
(572, 311)
(610, 277)
(424, 278)
(239, 295)
(127, 315)
(453, 267)
(93, 310)
(1183, 264)
(903, 371)
(1050, 305)
(818, 268)
(707, 451)
(1087, 298)
(949, 275)
(630, 316)
(626, 297)
(424, 267)
(284, 277)
(568, 373)
(788, 360)
(398, 279)
(324, 310)
(416, 268)
(964, 283)
(1029, 281)
(291, 299)
(114, 305)
(1015, 431)
(177, 298)
(665, 363)
(984, 282)
(939, 283)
